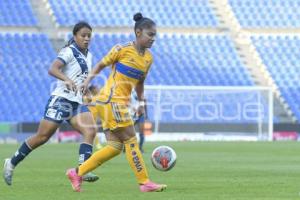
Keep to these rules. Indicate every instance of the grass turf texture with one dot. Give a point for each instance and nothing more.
(204, 170)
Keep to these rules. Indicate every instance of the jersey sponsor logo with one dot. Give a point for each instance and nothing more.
(132, 60)
(137, 162)
(129, 71)
(54, 114)
(51, 113)
(118, 47)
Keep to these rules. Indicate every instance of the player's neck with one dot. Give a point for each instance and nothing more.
(83, 51)
(139, 49)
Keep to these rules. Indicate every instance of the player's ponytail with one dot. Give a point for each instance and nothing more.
(142, 22)
(70, 41)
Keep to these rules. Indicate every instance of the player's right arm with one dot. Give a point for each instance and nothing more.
(107, 60)
(55, 71)
(96, 70)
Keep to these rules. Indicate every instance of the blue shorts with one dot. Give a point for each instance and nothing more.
(59, 109)
(140, 119)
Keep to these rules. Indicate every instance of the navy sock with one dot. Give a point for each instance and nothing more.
(142, 139)
(85, 151)
(20, 154)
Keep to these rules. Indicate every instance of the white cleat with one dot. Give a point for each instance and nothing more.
(8, 170)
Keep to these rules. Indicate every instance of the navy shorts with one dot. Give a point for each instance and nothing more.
(140, 119)
(59, 109)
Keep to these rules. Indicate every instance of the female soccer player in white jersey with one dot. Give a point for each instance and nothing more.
(71, 68)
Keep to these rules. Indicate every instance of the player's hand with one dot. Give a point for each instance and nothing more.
(87, 99)
(141, 110)
(83, 88)
(71, 85)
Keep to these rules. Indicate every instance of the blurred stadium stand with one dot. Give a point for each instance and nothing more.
(206, 57)
(24, 81)
(16, 13)
(281, 55)
(267, 13)
(170, 13)
(200, 60)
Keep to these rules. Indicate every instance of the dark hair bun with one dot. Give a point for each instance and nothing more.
(137, 17)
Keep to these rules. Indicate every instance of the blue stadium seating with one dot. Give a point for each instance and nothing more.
(169, 13)
(25, 83)
(281, 56)
(267, 13)
(201, 60)
(16, 13)
(186, 59)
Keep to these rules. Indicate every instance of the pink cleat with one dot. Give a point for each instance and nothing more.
(152, 187)
(75, 179)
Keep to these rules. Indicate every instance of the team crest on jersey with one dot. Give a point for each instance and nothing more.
(132, 60)
(118, 47)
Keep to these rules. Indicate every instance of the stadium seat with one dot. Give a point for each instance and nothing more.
(17, 13)
(200, 60)
(267, 14)
(25, 75)
(175, 13)
(280, 55)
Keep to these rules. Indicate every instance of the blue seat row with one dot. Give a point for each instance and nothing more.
(267, 13)
(176, 13)
(16, 13)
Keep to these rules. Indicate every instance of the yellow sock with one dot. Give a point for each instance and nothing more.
(111, 150)
(136, 160)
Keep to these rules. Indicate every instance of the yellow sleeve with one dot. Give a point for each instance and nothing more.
(112, 56)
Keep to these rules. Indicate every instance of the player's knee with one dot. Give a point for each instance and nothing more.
(116, 145)
(89, 133)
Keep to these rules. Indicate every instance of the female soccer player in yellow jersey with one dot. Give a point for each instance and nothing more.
(130, 65)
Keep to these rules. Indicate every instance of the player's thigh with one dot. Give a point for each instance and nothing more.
(84, 123)
(125, 133)
(110, 136)
(45, 130)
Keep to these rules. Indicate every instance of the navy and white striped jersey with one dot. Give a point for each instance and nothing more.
(77, 66)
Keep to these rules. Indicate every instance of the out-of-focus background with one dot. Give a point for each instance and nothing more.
(224, 70)
(221, 68)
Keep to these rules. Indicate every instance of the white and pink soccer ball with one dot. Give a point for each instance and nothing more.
(163, 158)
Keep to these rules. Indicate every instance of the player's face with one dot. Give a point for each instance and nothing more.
(147, 37)
(83, 38)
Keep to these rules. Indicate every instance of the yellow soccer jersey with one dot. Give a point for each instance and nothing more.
(128, 67)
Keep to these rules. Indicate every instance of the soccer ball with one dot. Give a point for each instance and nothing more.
(163, 158)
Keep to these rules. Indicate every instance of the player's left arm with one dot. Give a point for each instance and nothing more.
(140, 92)
(140, 95)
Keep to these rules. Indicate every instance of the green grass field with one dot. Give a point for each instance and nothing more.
(204, 170)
